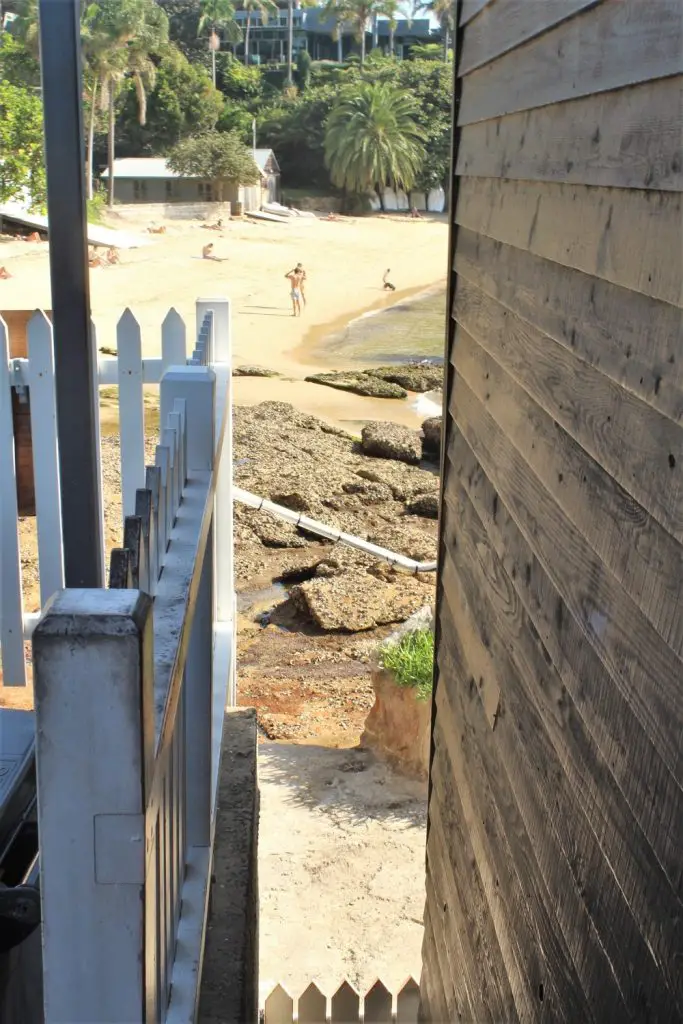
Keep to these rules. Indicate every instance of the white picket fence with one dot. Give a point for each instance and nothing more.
(129, 372)
(131, 682)
(345, 1006)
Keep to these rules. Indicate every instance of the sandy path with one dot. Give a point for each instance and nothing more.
(341, 887)
(344, 261)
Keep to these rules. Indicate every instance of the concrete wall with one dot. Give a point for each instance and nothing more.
(209, 212)
(556, 810)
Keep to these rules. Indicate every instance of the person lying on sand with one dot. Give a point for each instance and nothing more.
(388, 286)
(298, 269)
(95, 260)
(4, 274)
(218, 226)
(295, 278)
(156, 230)
(330, 216)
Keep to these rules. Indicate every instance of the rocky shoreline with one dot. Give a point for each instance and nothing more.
(305, 646)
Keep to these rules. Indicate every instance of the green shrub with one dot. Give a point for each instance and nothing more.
(412, 661)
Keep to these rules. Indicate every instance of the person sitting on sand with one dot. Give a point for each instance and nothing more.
(112, 256)
(388, 286)
(295, 278)
(415, 213)
(298, 269)
(208, 254)
(4, 274)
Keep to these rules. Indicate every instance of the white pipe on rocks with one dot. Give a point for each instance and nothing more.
(332, 533)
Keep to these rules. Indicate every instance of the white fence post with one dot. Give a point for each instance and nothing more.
(11, 602)
(45, 455)
(131, 409)
(196, 386)
(173, 340)
(98, 441)
(223, 510)
(93, 661)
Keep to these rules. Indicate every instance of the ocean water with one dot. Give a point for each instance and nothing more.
(412, 329)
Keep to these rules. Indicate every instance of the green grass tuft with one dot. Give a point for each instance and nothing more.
(412, 661)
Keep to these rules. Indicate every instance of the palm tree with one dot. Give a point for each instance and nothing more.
(336, 10)
(123, 35)
(444, 12)
(372, 140)
(359, 13)
(391, 9)
(263, 7)
(218, 16)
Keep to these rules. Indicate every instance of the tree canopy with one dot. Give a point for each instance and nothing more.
(372, 140)
(215, 156)
(22, 172)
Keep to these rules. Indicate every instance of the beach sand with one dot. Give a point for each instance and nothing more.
(344, 261)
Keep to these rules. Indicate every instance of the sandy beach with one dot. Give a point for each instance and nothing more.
(344, 261)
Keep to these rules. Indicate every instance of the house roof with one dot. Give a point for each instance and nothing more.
(157, 167)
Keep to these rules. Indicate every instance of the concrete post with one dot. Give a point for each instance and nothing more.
(93, 671)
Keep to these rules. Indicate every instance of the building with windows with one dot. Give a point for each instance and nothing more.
(317, 32)
(151, 180)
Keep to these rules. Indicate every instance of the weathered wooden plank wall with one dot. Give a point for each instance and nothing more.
(555, 843)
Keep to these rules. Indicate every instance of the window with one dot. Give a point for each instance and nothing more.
(139, 190)
(206, 191)
(171, 190)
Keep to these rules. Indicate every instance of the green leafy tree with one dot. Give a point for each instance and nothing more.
(303, 70)
(17, 65)
(296, 131)
(216, 19)
(372, 140)
(263, 8)
(216, 157)
(430, 83)
(183, 102)
(123, 37)
(444, 12)
(391, 9)
(359, 14)
(22, 168)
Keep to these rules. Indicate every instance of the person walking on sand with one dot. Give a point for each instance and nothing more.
(295, 277)
(388, 286)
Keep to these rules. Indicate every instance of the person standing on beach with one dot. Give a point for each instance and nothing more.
(388, 286)
(295, 278)
(298, 269)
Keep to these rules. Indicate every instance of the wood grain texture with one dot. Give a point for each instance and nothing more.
(508, 23)
(589, 229)
(637, 445)
(469, 9)
(624, 905)
(645, 559)
(616, 44)
(644, 669)
(654, 791)
(633, 339)
(630, 138)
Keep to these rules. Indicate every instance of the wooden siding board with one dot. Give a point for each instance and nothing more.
(652, 792)
(481, 764)
(645, 559)
(645, 670)
(617, 44)
(452, 956)
(636, 915)
(634, 339)
(457, 876)
(633, 442)
(441, 984)
(630, 138)
(471, 8)
(508, 23)
(589, 229)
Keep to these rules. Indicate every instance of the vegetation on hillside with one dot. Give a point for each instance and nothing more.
(337, 128)
(216, 156)
(412, 661)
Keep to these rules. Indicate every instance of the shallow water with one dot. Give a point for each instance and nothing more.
(412, 329)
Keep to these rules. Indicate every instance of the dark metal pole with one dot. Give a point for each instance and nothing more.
(60, 55)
